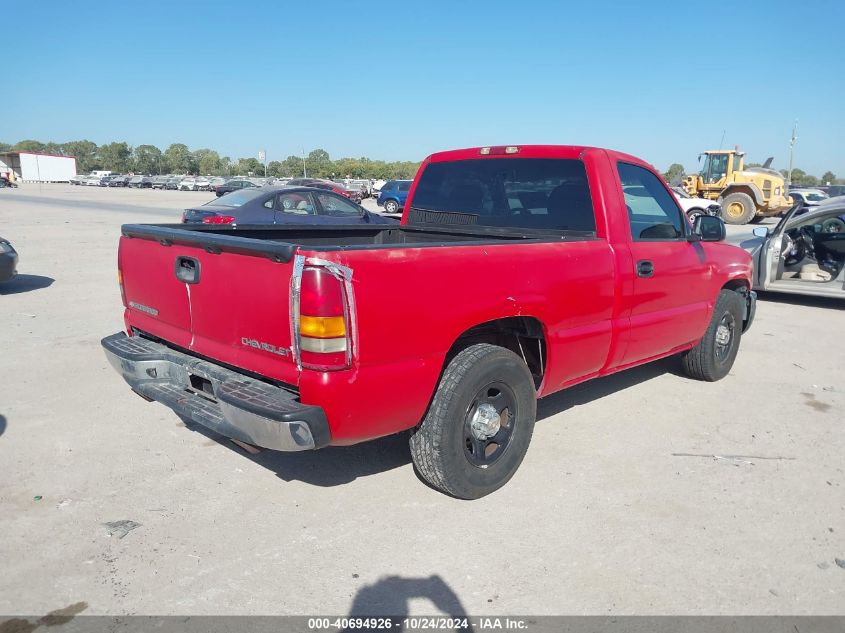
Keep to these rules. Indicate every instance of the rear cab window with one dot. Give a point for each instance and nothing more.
(524, 193)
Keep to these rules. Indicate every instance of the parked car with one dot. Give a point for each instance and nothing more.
(173, 182)
(393, 195)
(135, 182)
(233, 185)
(159, 182)
(118, 181)
(78, 179)
(8, 260)
(320, 183)
(281, 205)
(804, 254)
(5, 182)
(835, 190)
(93, 181)
(695, 207)
(807, 198)
(188, 183)
(215, 182)
(513, 276)
(202, 183)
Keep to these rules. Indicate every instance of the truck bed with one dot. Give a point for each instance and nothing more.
(280, 243)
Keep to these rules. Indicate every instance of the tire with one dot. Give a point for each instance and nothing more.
(391, 206)
(712, 358)
(695, 213)
(445, 450)
(738, 208)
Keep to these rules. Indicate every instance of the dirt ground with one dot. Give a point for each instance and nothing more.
(642, 493)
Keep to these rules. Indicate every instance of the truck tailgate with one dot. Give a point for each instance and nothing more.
(232, 307)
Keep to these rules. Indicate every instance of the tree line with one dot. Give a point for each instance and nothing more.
(675, 174)
(122, 158)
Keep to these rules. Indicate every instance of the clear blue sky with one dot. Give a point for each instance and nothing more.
(398, 80)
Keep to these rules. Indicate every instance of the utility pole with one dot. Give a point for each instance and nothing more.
(304, 172)
(791, 149)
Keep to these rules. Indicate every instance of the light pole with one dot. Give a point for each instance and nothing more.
(791, 148)
(304, 172)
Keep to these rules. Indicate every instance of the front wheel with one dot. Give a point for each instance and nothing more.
(738, 208)
(695, 213)
(479, 424)
(713, 357)
(391, 206)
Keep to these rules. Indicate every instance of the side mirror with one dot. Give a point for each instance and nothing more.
(709, 228)
(761, 231)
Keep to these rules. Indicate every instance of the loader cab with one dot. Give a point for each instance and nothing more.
(718, 166)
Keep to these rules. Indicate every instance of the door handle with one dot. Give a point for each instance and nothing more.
(187, 270)
(645, 268)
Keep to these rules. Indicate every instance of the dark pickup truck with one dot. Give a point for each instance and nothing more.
(516, 272)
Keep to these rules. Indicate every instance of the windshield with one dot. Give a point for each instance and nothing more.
(534, 193)
(815, 197)
(237, 198)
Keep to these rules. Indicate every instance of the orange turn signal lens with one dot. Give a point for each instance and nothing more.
(322, 327)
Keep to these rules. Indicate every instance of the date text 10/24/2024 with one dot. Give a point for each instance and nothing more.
(418, 623)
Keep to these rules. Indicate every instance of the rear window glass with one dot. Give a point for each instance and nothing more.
(531, 193)
(238, 198)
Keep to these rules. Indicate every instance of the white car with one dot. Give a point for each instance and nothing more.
(808, 197)
(188, 184)
(78, 180)
(695, 207)
(93, 181)
(202, 183)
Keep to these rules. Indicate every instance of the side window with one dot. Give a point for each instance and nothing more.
(652, 212)
(295, 203)
(335, 205)
(404, 186)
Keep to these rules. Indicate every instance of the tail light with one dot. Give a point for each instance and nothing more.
(324, 337)
(120, 283)
(218, 219)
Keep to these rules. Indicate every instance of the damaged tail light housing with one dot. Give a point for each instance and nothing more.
(324, 336)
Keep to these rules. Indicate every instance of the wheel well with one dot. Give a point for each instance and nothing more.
(740, 286)
(523, 336)
(735, 285)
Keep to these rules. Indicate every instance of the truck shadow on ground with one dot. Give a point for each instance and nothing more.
(802, 300)
(2, 424)
(25, 283)
(327, 467)
(334, 466)
(391, 596)
(597, 388)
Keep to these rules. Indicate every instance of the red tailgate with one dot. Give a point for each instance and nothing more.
(230, 307)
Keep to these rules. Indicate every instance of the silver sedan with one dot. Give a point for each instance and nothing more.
(804, 254)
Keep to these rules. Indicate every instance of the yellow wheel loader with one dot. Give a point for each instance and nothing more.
(746, 194)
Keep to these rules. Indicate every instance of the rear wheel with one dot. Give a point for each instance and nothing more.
(478, 427)
(391, 206)
(714, 355)
(695, 213)
(738, 208)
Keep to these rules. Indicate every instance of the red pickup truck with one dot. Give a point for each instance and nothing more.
(516, 272)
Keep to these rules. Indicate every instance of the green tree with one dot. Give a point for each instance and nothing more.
(247, 166)
(29, 146)
(147, 159)
(5, 147)
(675, 174)
(115, 157)
(274, 168)
(319, 164)
(828, 177)
(85, 153)
(209, 163)
(179, 159)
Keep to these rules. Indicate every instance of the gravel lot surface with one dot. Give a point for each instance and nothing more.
(620, 506)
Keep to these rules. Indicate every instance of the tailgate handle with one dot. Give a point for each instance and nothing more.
(188, 270)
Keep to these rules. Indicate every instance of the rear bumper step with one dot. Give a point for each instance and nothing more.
(220, 399)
